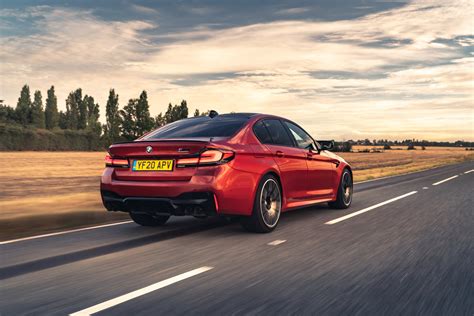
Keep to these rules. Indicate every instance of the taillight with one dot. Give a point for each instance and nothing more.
(116, 162)
(210, 157)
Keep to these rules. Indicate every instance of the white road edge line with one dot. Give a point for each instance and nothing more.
(129, 296)
(63, 232)
(442, 181)
(469, 171)
(343, 218)
(276, 242)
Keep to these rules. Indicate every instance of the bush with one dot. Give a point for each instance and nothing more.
(387, 147)
(423, 148)
(342, 147)
(411, 147)
(18, 138)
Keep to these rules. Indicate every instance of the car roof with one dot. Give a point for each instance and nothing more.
(247, 115)
(250, 115)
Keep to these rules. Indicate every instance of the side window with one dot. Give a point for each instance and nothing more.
(278, 133)
(303, 140)
(262, 133)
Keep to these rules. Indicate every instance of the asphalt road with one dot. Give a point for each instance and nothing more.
(405, 247)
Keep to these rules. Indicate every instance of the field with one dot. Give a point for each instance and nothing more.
(399, 160)
(48, 191)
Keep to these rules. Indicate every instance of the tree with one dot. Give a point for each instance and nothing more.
(112, 117)
(93, 123)
(23, 107)
(129, 120)
(7, 114)
(182, 110)
(136, 119)
(198, 113)
(169, 114)
(72, 109)
(160, 120)
(51, 111)
(144, 122)
(176, 112)
(37, 112)
(82, 107)
(342, 146)
(63, 120)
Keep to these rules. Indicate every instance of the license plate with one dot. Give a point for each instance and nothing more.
(152, 165)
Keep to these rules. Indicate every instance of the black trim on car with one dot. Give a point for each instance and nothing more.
(191, 203)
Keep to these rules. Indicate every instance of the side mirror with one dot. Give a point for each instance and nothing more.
(326, 144)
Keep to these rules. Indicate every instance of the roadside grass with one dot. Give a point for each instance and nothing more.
(44, 192)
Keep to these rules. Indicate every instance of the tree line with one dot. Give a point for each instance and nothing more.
(410, 142)
(82, 115)
(32, 125)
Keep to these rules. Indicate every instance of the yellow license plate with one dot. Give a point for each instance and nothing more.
(152, 165)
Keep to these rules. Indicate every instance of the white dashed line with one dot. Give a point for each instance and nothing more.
(469, 171)
(127, 297)
(343, 218)
(276, 242)
(425, 188)
(442, 181)
(63, 232)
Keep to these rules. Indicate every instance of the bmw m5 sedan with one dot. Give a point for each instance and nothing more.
(251, 166)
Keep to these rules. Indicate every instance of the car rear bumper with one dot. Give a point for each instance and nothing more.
(193, 203)
(230, 191)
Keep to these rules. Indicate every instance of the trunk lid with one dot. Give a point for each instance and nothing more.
(160, 150)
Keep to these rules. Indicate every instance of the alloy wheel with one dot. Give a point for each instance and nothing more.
(347, 188)
(270, 203)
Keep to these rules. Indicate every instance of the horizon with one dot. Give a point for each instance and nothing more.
(351, 70)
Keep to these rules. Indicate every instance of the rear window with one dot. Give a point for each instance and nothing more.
(262, 133)
(278, 133)
(220, 126)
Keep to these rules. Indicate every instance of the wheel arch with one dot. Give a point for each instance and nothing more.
(339, 176)
(274, 173)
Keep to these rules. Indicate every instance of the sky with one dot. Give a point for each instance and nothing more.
(343, 69)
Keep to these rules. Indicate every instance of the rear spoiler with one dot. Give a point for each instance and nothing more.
(194, 140)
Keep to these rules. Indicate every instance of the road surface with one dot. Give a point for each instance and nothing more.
(406, 246)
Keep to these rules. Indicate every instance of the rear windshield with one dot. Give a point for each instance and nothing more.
(219, 126)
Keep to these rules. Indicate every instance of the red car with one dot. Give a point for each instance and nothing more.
(254, 166)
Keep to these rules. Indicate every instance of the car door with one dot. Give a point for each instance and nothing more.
(321, 169)
(290, 160)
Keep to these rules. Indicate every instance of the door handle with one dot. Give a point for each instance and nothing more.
(280, 154)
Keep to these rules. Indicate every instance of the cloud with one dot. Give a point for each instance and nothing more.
(143, 9)
(292, 11)
(404, 72)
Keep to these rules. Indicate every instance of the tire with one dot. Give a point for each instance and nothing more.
(344, 192)
(148, 220)
(267, 207)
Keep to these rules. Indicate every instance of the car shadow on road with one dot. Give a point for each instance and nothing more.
(179, 230)
(58, 260)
